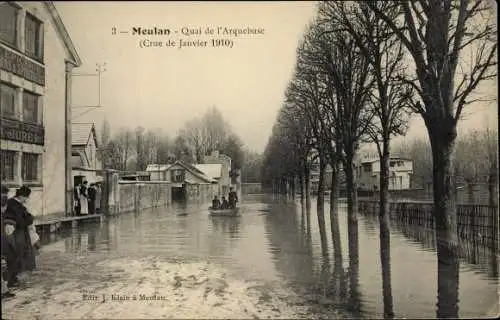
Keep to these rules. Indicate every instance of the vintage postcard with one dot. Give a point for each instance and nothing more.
(249, 160)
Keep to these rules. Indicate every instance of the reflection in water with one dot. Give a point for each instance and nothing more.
(354, 302)
(278, 243)
(292, 252)
(385, 259)
(448, 278)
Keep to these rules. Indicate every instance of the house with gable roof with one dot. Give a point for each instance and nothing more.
(187, 181)
(84, 160)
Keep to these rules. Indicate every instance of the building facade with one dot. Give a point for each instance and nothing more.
(36, 59)
(225, 178)
(187, 182)
(400, 173)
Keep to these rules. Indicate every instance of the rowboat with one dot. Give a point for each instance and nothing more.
(224, 212)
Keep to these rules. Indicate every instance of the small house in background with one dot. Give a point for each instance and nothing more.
(188, 182)
(85, 162)
(400, 173)
(224, 181)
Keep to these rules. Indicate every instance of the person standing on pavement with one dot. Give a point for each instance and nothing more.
(98, 197)
(8, 250)
(92, 197)
(17, 223)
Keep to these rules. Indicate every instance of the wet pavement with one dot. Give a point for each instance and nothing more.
(266, 264)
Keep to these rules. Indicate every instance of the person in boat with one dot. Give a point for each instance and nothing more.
(216, 203)
(233, 198)
(225, 204)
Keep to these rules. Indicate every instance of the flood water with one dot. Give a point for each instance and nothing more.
(272, 242)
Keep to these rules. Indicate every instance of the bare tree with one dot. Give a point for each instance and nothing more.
(349, 85)
(192, 133)
(215, 129)
(390, 99)
(437, 36)
(124, 141)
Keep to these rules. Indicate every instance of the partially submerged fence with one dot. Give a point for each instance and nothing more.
(476, 223)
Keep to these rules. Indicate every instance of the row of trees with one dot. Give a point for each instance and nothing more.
(133, 150)
(362, 68)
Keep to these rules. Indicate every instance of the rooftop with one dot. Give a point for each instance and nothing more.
(214, 171)
(80, 133)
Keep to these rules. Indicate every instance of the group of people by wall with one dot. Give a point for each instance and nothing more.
(20, 242)
(87, 198)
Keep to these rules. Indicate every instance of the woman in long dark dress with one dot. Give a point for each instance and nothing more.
(8, 250)
(17, 220)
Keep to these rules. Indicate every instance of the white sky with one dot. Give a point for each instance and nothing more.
(164, 87)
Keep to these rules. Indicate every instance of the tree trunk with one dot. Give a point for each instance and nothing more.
(492, 188)
(354, 294)
(320, 205)
(301, 186)
(385, 233)
(352, 192)
(470, 192)
(445, 216)
(307, 187)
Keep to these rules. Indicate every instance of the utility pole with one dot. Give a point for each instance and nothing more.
(100, 68)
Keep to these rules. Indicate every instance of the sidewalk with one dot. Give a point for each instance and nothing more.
(99, 286)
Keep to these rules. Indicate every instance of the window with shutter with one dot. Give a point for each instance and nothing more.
(7, 101)
(30, 107)
(33, 37)
(8, 23)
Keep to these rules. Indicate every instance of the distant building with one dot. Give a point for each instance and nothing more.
(314, 177)
(36, 60)
(188, 182)
(224, 181)
(214, 172)
(85, 161)
(158, 172)
(400, 173)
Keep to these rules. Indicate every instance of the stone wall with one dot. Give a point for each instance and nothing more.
(134, 196)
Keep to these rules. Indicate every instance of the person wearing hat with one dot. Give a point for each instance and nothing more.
(233, 198)
(17, 223)
(8, 251)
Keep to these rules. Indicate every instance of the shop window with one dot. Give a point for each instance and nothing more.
(8, 23)
(33, 36)
(8, 101)
(8, 165)
(30, 107)
(30, 167)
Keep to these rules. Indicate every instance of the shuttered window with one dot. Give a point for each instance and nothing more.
(33, 36)
(8, 23)
(8, 165)
(30, 167)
